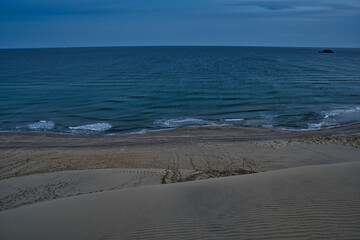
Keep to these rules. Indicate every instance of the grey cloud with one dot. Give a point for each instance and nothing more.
(275, 5)
(290, 9)
(269, 5)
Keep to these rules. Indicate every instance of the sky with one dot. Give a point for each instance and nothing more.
(81, 23)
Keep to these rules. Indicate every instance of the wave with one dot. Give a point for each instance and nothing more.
(42, 125)
(181, 122)
(320, 125)
(184, 122)
(99, 127)
(233, 119)
(264, 121)
(142, 131)
(336, 117)
(341, 112)
(313, 120)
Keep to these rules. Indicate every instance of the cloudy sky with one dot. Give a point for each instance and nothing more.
(71, 23)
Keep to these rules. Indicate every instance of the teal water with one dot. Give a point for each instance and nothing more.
(138, 89)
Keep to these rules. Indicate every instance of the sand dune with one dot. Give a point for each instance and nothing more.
(306, 202)
(16, 192)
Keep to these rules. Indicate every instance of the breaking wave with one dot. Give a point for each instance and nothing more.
(336, 117)
(99, 127)
(184, 122)
(42, 125)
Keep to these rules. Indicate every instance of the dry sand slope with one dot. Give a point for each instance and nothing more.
(20, 191)
(306, 202)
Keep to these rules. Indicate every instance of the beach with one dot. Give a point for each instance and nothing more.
(179, 120)
(199, 182)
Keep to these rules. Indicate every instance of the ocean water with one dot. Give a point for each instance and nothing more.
(121, 90)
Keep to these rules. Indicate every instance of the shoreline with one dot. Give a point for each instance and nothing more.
(26, 140)
(109, 132)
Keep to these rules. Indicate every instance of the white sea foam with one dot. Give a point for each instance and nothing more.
(181, 122)
(99, 127)
(141, 131)
(336, 117)
(234, 119)
(342, 112)
(146, 130)
(317, 125)
(42, 125)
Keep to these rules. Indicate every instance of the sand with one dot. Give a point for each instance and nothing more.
(31, 153)
(112, 187)
(317, 202)
(25, 190)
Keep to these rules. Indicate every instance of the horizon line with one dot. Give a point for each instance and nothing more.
(134, 46)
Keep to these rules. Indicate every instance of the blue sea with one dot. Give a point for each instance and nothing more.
(122, 90)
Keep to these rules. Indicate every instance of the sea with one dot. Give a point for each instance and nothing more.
(127, 90)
